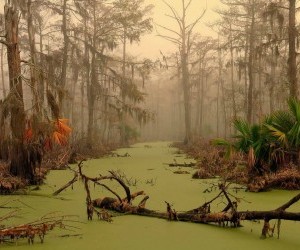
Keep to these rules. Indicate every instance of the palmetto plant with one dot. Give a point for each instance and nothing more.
(270, 143)
(284, 127)
(250, 140)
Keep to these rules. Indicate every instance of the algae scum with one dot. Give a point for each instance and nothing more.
(145, 170)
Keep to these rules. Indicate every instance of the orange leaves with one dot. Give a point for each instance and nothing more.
(59, 138)
(48, 133)
(62, 126)
(61, 132)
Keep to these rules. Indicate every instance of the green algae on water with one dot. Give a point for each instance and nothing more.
(136, 232)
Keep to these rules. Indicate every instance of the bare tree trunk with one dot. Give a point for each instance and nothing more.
(198, 100)
(232, 76)
(63, 80)
(260, 92)
(246, 76)
(250, 65)
(222, 89)
(41, 86)
(87, 75)
(218, 87)
(75, 74)
(2, 71)
(91, 101)
(202, 100)
(122, 128)
(19, 165)
(186, 94)
(14, 67)
(91, 87)
(33, 65)
(272, 81)
(292, 64)
(82, 106)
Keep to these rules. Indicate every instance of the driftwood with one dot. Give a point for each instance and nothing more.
(186, 165)
(31, 230)
(230, 215)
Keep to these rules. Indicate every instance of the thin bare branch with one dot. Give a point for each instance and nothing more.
(187, 6)
(193, 24)
(176, 16)
(109, 189)
(171, 39)
(168, 29)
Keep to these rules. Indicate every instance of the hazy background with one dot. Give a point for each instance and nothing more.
(151, 44)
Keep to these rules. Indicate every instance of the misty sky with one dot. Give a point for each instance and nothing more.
(150, 45)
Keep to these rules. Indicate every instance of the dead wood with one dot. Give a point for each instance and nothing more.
(288, 178)
(181, 172)
(187, 165)
(30, 230)
(202, 173)
(71, 182)
(201, 214)
(229, 215)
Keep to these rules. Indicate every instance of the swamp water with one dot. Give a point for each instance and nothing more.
(145, 171)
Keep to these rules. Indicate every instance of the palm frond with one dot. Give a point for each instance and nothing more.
(242, 126)
(283, 120)
(280, 135)
(294, 107)
(294, 135)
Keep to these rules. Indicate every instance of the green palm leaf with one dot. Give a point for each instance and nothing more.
(280, 135)
(294, 107)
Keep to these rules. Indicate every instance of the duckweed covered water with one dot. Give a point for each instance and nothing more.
(146, 171)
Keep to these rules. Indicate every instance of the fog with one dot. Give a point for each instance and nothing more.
(122, 71)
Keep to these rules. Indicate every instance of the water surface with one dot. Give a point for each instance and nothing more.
(146, 171)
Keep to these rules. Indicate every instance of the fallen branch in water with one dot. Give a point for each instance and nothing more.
(30, 230)
(186, 165)
(71, 182)
(202, 214)
(228, 216)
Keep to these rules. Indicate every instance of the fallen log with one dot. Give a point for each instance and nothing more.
(196, 216)
(230, 215)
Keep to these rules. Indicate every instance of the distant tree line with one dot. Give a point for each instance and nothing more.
(248, 70)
